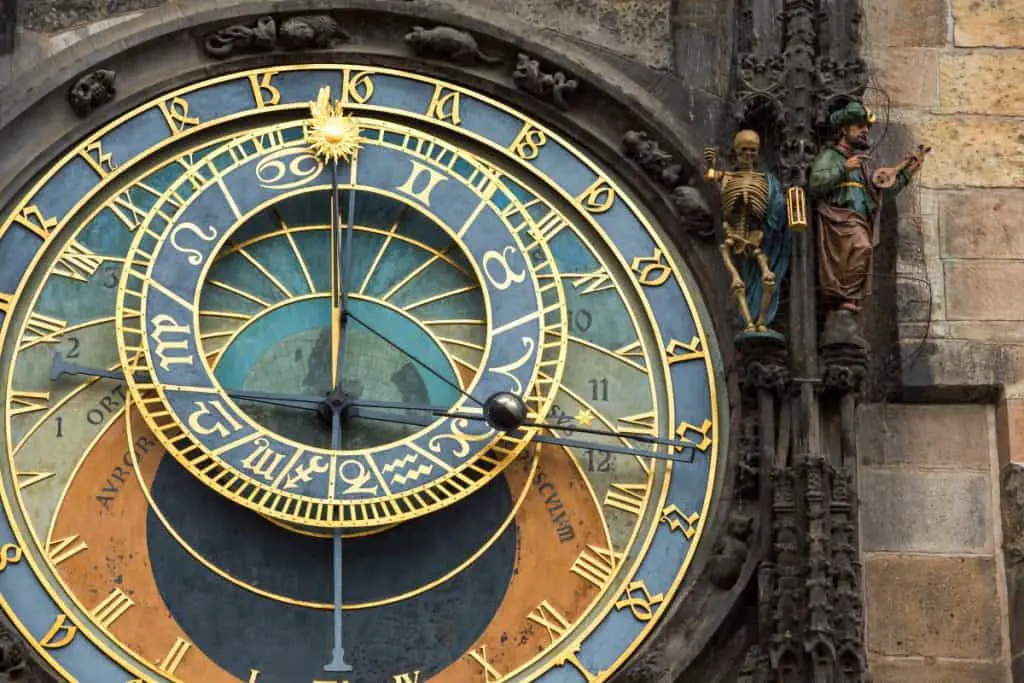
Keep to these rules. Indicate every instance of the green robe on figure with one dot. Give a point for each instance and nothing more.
(847, 207)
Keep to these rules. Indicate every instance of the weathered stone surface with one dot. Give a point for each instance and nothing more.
(635, 28)
(902, 670)
(909, 76)
(964, 364)
(915, 511)
(997, 331)
(982, 223)
(932, 606)
(996, 23)
(909, 23)
(921, 435)
(984, 290)
(982, 82)
(972, 151)
(55, 15)
(1012, 503)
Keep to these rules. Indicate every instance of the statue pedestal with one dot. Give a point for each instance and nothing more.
(762, 359)
(844, 353)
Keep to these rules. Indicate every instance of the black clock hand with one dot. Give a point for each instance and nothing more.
(381, 416)
(413, 358)
(62, 366)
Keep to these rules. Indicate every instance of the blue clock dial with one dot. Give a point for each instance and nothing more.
(178, 262)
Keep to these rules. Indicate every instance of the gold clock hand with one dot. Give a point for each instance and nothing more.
(380, 416)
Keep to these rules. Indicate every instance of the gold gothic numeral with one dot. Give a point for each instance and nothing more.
(112, 607)
(444, 106)
(26, 479)
(22, 402)
(651, 271)
(172, 661)
(175, 112)
(639, 600)
(61, 549)
(549, 226)
(357, 87)
(627, 497)
(491, 674)
(410, 677)
(127, 211)
(597, 198)
(596, 564)
(60, 634)
(685, 427)
(263, 89)
(423, 194)
(680, 351)
(528, 142)
(551, 619)
(10, 554)
(678, 520)
(77, 262)
(102, 162)
(32, 218)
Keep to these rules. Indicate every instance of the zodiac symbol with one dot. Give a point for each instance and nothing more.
(517, 386)
(263, 461)
(273, 169)
(509, 276)
(459, 437)
(411, 475)
(356, 482)
(195, 257)
(317, 464)
(163, 325)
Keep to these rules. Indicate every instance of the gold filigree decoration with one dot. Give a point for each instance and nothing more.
(333, 135)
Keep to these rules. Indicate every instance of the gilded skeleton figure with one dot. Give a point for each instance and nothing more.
(754, 216)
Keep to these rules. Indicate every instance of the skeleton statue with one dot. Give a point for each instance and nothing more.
(754, 216)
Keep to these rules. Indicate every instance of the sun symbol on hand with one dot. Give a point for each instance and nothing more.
(333, 135)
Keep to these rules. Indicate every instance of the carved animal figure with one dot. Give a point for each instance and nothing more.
(529, 77)
(731, 550)
(92, 91)
(318, 31)
(238, 38)
(448, 43)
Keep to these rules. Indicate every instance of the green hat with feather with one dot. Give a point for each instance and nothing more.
(853, 112)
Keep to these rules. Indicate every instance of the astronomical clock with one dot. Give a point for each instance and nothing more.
(336, 372)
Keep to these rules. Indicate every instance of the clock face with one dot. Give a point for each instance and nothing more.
(192, 435)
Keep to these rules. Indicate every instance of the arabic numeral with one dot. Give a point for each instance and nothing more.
(599, 389)
(598, 461)
(558, 416)
(580, 321)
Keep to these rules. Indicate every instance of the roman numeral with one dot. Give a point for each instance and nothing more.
(491, 674)
(596, 565)
(127, 211)
(77, 262)
(171, 662)
(32, 218)
(551, 619)
(112, 607)
(627, 497)
(548, 226)
(62, 549)
(641, 423)
(41, 328)
(26, 479)
(22, 402)
(588, 283)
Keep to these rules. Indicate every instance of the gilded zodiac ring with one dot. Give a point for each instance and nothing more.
(190, 412)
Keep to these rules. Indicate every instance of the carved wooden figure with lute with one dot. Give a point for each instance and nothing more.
(884, 178)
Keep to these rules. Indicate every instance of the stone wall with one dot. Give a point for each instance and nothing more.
(936, 577)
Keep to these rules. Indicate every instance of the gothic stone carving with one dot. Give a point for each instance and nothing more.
(92, 91)
(238, 38)
(691, 208)
(731, 551)
(446, 42)
(554, 86)
(306, 32)
(12, 657)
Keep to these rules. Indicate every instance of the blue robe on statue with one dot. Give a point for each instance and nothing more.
(776, 245)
